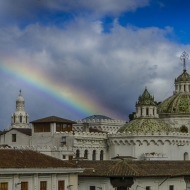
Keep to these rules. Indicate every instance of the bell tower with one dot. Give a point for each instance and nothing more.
(20, 118)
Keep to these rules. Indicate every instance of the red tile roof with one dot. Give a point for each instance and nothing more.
(10, 158)
(124, 168)
(26, 131)
(53, 119)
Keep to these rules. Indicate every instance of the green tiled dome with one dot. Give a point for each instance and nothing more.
(183, 77)
(178, 103)
(146, 99)
(147, 125)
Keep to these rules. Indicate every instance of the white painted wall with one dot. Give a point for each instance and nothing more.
(34, 181)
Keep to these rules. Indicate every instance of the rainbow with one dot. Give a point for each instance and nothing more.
(72, 99)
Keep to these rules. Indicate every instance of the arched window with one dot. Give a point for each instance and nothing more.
(147, 111)
(186, 156)
(77, 153)
(86, 154)
(183, 129)
(20, 118)
(94, 155)
(101, 155)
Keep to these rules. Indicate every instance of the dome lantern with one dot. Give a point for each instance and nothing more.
(182, 83)
(146, 106)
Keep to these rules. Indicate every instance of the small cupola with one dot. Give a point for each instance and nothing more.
(146, 106)
(182, 83)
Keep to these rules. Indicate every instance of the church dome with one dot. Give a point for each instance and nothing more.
(178, 103)
(184, 77)
(20, 98)
(97, 117)
(146, 99)
(147, 125)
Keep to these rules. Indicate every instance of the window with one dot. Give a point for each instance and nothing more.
(94, 155)
(77, 154)
(70, 157)
(63, 127)
(171, 187)
(4, 186)
(186, 156)
(43, 185)
(101, 155)
(24, 185)
(92, 187)
(86, 154)
(20, 118)
(41, 127)
(63, 156)
(14, 118)
(13, 137)
(147, 187)
(61, 185)
(147, 111)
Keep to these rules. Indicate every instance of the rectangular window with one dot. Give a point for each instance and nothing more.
(92, 188)
(61, 185)
(43, 185)
(4, 186)
(42, 127)
(13, 137)
(60, 127)
(64, 157)
(171, 187)
(70, 157)
(147, 187)
(24, 185)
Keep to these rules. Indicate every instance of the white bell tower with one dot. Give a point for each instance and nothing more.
(20, 118)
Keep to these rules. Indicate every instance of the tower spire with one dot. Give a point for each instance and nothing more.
(184, 57)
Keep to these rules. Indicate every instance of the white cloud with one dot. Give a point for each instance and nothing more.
(115, 67)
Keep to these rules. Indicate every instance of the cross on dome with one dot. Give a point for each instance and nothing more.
(184, 57)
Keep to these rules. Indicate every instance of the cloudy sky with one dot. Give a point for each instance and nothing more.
(76, 58)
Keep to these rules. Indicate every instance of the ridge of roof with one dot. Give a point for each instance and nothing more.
(115, 167)
(53, 119)
(26, 131)
(30, 159)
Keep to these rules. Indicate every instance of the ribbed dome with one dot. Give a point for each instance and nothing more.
(178, 103)
(147, 126)
(146, 99)
(97, 117)
(20, 98)
(183, 77)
